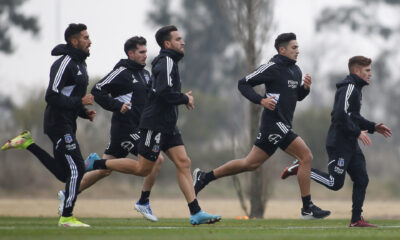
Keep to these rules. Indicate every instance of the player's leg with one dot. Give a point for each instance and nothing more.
(25, 141)
(299, 150)
(182, 162)
(339, 160)
(358, 172)
(251, 162)
(69, 152)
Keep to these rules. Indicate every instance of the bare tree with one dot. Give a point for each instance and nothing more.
(252, 19)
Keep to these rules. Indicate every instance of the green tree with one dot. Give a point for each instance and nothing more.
(11, 17)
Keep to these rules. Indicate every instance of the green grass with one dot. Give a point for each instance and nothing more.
(169, 229)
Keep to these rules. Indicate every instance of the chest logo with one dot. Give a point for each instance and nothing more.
(292, 83)
(79, 71)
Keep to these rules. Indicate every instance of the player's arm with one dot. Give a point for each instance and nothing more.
(261, 75)
(59, 95)
(102, 90)
(163, 83)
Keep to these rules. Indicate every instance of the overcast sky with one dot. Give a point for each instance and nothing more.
(110, 23)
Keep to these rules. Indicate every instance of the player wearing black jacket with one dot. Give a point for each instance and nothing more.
(158, 123)
(65, 97)
(347, 125)
(124, 92)
(283, 88)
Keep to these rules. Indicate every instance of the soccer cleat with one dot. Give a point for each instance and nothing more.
(89, 161)
(314, 212)
(291, 170)
(21, 141)
(204, 218)
(199, 180)
(362, 223)
(61, 197)
(71, 222)
(145, 210)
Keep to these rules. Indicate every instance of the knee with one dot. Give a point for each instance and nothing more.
(144, 172)
(252, 166)
(307, 158)
(160, 160)
(183, 162)
(337, 186)
(362, 183)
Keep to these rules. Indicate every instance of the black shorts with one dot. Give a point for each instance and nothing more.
(154, 142)
(123, 142)
(274, 135)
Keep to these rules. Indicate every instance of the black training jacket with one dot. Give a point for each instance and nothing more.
(161, 112)
(67, 86)
(282, 78)
(346, 120)
(128, 82)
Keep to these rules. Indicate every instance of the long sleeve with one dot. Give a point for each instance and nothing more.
(346, 100)
(261, 75)
(302, 93)
(163, 83)
(101, 91)
(58, 93)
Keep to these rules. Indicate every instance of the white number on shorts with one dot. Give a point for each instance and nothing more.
(157, 138)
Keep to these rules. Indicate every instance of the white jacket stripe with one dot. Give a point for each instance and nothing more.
(110, 77)
(259, 70)
(170, 64)
(60, 72)
(350, 88)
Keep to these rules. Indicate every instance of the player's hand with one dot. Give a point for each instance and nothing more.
(190, 104)
(364, 138)
(269, 103)
(88, 99)
(382, 129)
(91, 114)
(307, 82)
(125, 107)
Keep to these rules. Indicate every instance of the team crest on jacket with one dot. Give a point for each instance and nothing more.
(340, 162)
(68, 138)
(292, 83)
(147, 77)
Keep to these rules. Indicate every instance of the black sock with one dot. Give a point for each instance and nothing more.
(209, 177)
(100, 164)
(144, 198)
(194, 207)
(306, 201)
(356, 215)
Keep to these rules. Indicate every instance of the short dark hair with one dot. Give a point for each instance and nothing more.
(72, 30)
(359, 61)
(164, 34)
(283, 40)
(131, 43)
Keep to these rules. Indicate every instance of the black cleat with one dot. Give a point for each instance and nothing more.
(314, 212)
(199, 181)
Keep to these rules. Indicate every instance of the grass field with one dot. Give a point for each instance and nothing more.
(169, 229)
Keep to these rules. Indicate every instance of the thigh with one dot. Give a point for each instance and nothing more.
(357, 168)
(67, 152)
(298, 149)
(177, 153)
(339, 160)
(149, 145)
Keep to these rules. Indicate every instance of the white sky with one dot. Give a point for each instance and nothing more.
(110, 23)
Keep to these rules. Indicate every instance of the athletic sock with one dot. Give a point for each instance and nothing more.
(144, 197)
(100, 164)
(209, 177)
(306, 201)
(356, 215)
(194, 207)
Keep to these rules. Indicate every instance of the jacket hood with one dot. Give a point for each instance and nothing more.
(66, 49)
(176, 56)
(352, 79)
(280, 59)
(132, 65)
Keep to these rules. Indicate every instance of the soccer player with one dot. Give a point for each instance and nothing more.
(347, 125)
(66, 99)
(124, 92)
(282, 79)
(158, 130)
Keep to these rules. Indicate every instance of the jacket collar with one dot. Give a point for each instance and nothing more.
(66, 49)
